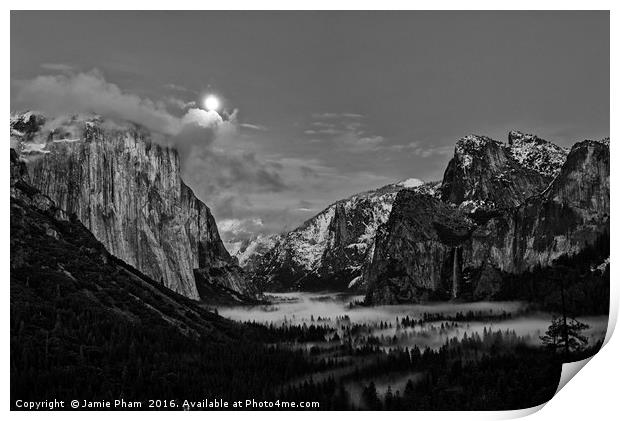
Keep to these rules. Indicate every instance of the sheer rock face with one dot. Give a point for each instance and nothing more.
(330, 250)
(128, 192)
(51, 251)
(571, 213)
(22, 190)
(486, 174)
(426, 246)
(415, 251)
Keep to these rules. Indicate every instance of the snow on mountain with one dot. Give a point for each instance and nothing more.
(431, 249)
(536, 153)
(330, 249)
(485, 174)
(34, 148)
(410, 182)
(469, 145)
(248, 251)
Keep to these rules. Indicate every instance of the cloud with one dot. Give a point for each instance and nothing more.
(424, 151)
(180, 104)
(306, 206)
(202, 118)
(175, 87)
(322, 124)
(58, 67)
(349, 132)
(218, 171)
(328, 131)
(242, 175)
(243, 217)
(345, 130)
(253, 126)
(215, 161)
(239, 226)
(91, 93)
(336, 115)
(307, 171)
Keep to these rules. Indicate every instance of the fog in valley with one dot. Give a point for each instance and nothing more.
(336, 310)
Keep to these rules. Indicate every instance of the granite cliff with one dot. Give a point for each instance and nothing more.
(127, 190)
(486, 225)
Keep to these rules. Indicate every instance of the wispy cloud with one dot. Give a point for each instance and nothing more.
(331, 131)
(175, 87)
(422, 150)
(336, 115)
(322, 124)
(239, 226)
(58, 67)
(253, 126)
(180, 104)
(351, 132)
(347, 130)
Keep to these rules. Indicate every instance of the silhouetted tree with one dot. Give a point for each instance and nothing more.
(566, 335)
(369, 395)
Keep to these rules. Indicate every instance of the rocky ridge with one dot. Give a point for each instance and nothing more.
(330, 250)
(432, 248)
(487, 174)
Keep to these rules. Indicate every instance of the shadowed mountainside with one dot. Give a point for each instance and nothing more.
(427, 245)
(85, 325)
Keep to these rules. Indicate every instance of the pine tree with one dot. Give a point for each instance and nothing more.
(565, 334)
(369, 395)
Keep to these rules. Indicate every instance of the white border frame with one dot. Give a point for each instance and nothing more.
(591, 395)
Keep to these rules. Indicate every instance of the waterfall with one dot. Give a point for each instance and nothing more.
(455, 272)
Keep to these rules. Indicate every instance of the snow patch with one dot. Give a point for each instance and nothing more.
(34, 148)
(67, 140)
(410, 182)
(536, 154)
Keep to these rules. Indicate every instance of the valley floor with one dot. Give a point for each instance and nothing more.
(483, 355)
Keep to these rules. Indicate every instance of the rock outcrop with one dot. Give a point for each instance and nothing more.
(537, 154)
(127, 190)
(430, 248)
(487, 174)
(571, 213)
(418, 251)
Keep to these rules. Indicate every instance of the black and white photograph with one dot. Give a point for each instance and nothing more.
(314, 210)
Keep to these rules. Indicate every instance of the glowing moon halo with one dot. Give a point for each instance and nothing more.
(212, 103)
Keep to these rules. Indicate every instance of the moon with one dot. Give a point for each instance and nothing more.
(212, 103)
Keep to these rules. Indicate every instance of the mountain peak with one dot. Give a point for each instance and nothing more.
(535, 153)
(485, 173)
(518, 136)
(471, 146)
(474, 142)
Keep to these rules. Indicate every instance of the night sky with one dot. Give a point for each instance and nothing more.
(317, 105)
